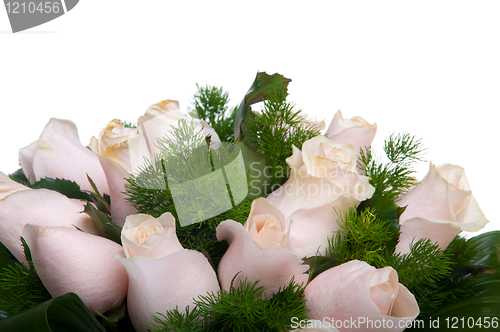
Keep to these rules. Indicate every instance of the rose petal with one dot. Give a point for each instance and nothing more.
(356, 131)
(26, 155)
(157, 122)
(9, 186)
(164, 283)
(244, 259)
(440, 231)
(344, 293)
(116, 177)
(42, 207)
(68, 260)
(433, 198)
(263, 209)
(59, 154)
(159, 244)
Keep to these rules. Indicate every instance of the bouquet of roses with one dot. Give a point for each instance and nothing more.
(240, 220)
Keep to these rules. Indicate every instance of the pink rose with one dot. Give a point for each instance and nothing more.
(162, 274)
(356, 290)
(112, 149)
(69, 260)
(58, 153)
(42, 207)
(356, 131)
(260, 250)
(439, 208)
(323, 181)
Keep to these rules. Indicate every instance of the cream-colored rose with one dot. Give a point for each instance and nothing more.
(112, 149)
(355, 131)
(69, 260)
(266, 226)
(356, 289)
(439, 208)
(323, 182)
(162, 274)
(143, 235)
(259, 250)
(58, 153)
(42, 207)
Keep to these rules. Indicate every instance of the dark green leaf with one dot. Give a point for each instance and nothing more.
(20, 177)
(6, 258)
(66, 187)
(262, 86)
(61, 314)
(256, 166)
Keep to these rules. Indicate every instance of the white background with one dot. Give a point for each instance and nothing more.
(431, 68)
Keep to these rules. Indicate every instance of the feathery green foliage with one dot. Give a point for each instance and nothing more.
(421, 270)
(245, 308)
(273, 133)
(20, 286)
(188, 180)
(362, 236)
(210, 104)
(175, 321)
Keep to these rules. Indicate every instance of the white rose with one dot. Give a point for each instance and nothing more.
(323, 182)
(439, 208)
(356, 131)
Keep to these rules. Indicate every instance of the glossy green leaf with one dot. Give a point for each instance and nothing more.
(263, 86)
(61, 314)
(256, 166)
(66, 187)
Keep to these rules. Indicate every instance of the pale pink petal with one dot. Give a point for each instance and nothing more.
(471, 218)
(312, 226)
(68, 260)
(384, 289)
(59, 154)
(42, 207)
(165, 283)
(9, 186)
(432, 198)
(356, 131)
(26, 155)
(260, 211)
(158, 244)
(244, 259)
(116, 177)
(440, 231)
(159, 119)
(342, 291)
(344, 294)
